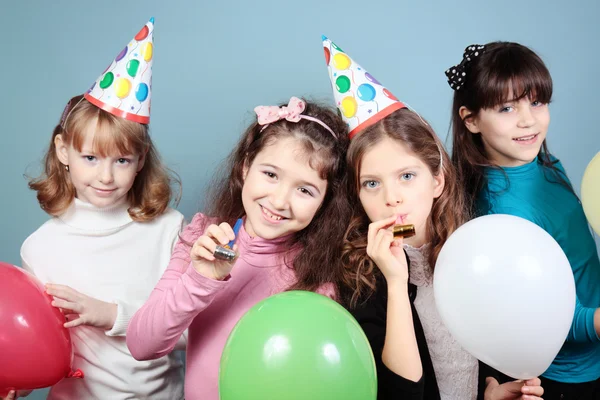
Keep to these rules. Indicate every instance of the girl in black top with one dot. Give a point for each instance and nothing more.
(400, 174)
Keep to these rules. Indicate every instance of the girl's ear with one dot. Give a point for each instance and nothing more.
(438, 185)
(142, 160)
(468, 119)
(61, 150)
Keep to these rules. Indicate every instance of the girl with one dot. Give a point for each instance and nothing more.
(107, 245)
(400, 174)
(500, 119)
(285, 183)
(111, 234)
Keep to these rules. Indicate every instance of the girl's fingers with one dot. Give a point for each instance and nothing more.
(228, 230)
(376, 226)
(64, 304)
(382, 241)
(217, 234)
(74, 323)
(207, 243)
(64, 292)
(199, 252)
(532, 390)
(533, 382)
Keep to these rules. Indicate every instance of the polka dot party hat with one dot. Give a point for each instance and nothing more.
(362, 100)
(125, 88)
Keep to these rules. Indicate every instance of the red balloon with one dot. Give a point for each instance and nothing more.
(327, 55)
(35, 347)
(142, 33)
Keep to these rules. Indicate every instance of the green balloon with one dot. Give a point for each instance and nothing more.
(132, 67)
(295, 346)
(342, 83)
(107, 80)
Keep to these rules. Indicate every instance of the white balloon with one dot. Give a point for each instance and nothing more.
(505, 290)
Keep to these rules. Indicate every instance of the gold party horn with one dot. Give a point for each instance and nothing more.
(404, 231)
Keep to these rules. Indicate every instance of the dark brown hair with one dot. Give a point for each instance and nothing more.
(151, 192)
(317, 260)
(501, 69)
(447, 213)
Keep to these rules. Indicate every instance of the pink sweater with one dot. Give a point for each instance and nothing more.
(185, 299)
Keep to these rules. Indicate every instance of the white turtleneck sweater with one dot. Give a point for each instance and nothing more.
(456, 371)
(104, 254)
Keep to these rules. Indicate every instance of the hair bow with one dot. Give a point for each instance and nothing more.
(457, 73)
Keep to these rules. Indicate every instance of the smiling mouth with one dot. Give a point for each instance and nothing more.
(526, 138)
(104, 190)
(271, 215)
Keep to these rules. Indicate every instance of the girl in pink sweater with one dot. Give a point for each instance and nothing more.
(286, 184)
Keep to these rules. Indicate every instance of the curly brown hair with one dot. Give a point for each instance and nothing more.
(151, 192)
(447, 214)
(317, 260)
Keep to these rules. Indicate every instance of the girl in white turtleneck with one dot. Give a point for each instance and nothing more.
(104, 250)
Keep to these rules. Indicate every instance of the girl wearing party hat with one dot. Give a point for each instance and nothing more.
(500, 119)
(284, 187)
(402, 183)
(112, 230)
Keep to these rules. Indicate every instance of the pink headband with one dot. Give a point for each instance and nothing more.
(292, 112)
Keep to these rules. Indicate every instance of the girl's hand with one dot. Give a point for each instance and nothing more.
(202, 256)
(81, 309)
(517, 390)
(12, 395)
(386, 251)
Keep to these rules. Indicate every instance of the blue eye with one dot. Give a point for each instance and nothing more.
(408, 176)
(537, 103)
(89, 158)
(506, 109)
(123, 161)
(370, 184)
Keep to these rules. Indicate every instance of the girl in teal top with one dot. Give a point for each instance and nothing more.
(500, 118)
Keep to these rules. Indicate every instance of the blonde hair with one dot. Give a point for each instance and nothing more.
(151, 192)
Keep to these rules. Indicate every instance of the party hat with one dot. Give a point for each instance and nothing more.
(125, 88)
(362, 100)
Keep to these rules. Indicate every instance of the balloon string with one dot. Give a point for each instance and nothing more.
(145, 69)
(137, 44)
(130, 54)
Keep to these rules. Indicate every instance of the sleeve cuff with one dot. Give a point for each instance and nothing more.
(124, 314)
(205, 282)
(590, 326)
(393, 385)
